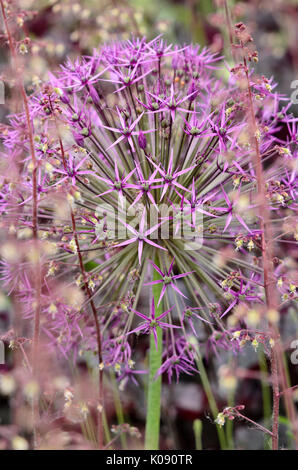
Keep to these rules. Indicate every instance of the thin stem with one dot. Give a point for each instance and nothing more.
(267, 255)
(267, 240)
(265, 390)
(36, 328)
(154, 387)
(94, 312)
(17, 70)
(277, 368)
(230, 424)
(118, 407)
(211, 400)
(261, 428)
(98, 334)
(228, 20)
(197, 429)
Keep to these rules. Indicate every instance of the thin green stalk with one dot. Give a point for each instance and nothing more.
(106, 427)
(197, 429)
(154, 386)
(118, 407)
(211, 400)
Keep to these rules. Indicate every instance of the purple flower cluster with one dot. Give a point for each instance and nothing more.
(137, 137)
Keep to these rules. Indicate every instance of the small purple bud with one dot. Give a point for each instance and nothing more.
(94, 95)
(175, 62)
(193, 90)
(64, 98)
(142, 141)
(79, 139)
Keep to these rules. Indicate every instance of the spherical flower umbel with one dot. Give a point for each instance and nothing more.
(144, 163)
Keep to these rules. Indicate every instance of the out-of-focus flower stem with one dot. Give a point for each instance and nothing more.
(266, 394)
(229, 25)
(231, 402)
(154, 386)
(211, 399)
(98, 334)
(118, 407)
(233, 412)
(197, 429)
(21, 86)
(277, 366)
(94, 312)
(36, 328)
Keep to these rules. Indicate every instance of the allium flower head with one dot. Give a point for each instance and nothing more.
(143, 164)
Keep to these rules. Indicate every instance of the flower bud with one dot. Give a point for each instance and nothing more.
(142, 141)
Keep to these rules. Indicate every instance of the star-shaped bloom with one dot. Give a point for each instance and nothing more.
(195, 127)
(127, 79)
(141, 236)
(151, 104)
(173, 103)
(189, 313)
(194, 205)
(126, 130)
(170, 175)
(134, 52)
(72, 170)
(145, 186)
(178, 217)
(159, 48)
(167, 279)
(245, 293)
(42, 188)
(230, 211)
(223, 130)
(127, 373)
(151, 323)
(176, 364)
(118, 184)
(79, 74)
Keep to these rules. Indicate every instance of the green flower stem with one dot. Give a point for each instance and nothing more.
(197, 429)
(211, 400)
(118, 407)
(106, 427)
(154, 386)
